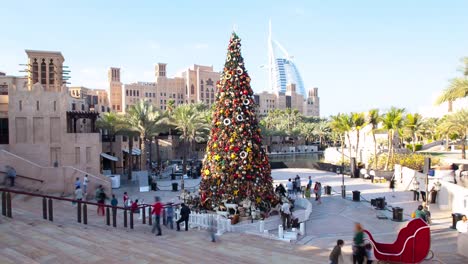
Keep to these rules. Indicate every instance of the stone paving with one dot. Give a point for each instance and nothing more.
(335, 217)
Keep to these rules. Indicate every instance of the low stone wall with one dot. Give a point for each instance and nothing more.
(462, 244)
(55, 179)
(450, 197)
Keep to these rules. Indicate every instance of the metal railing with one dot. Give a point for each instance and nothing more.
(81, 209)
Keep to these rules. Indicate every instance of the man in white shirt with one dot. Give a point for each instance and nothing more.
(285, 215)
(85, 183)
(462, 225)
(290, 187)
(435, 189)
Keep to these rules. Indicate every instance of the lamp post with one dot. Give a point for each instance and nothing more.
(343, 187)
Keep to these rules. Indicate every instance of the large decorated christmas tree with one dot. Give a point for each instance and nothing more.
(236, 166)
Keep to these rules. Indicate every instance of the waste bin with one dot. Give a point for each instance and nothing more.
(175, 186)
(380, 203)
(455, 218)
(356, 196)
(154, 186)
(397, 214)
(327, 190)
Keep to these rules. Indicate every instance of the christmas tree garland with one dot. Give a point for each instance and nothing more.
(236, 166)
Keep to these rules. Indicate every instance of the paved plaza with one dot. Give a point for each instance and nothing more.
(335, 217)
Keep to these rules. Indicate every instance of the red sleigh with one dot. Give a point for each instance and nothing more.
(411, 246)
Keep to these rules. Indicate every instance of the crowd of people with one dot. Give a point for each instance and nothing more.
(134, 206)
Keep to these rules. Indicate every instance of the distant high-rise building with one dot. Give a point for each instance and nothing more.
(286, 87)
(282, 70)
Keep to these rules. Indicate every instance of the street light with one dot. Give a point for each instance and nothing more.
(343, 187)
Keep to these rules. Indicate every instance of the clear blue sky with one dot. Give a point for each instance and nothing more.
(361, 54)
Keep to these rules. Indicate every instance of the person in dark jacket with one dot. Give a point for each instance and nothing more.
(335, 255)
(184, 217)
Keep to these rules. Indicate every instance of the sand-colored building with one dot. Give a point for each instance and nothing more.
(51, 134)
(193, 85)
(268, 101)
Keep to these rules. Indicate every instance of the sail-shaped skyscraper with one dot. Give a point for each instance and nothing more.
(282, 70)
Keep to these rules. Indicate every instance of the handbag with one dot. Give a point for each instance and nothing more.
(413, 214)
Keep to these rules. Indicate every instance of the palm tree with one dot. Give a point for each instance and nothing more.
(358, 122)
(308, 131)
(392, 122)
(458, 87)
(321, 130)
(456, 124)
(414, 125)
(428, 128)
(373, 119)
(347, 124)
(341, 124)
(109, 123)
(148, 121)
(191, 124)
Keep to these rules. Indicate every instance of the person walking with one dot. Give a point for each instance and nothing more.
(285, 214)
(134, 207)
(126, 200)
(100, 196)
(369, 253)
(170, 215)
(156, 213)
(289, 187)
(114, 202)
(298, 184)
(11, 174)
(435, 189)
(310, 181)
(392, 186)
(316, 187)
(85, 183)
(184, 217)
(77, 183)
(78, 194)
(307, 191)
(358, 244)
(415, 190)
(319, 192)
(336, 255)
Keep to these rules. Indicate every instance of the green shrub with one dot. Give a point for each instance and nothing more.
(413, 161)
(418, 146)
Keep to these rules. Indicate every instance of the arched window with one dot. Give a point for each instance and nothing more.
(192, 89)
(51, 72)
(35, 71)
(43, 72)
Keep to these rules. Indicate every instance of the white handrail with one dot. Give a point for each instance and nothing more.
(404, 245)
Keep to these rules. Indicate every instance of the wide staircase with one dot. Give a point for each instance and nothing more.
(27, 238)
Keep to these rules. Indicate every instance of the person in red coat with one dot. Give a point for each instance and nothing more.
(157, 210)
